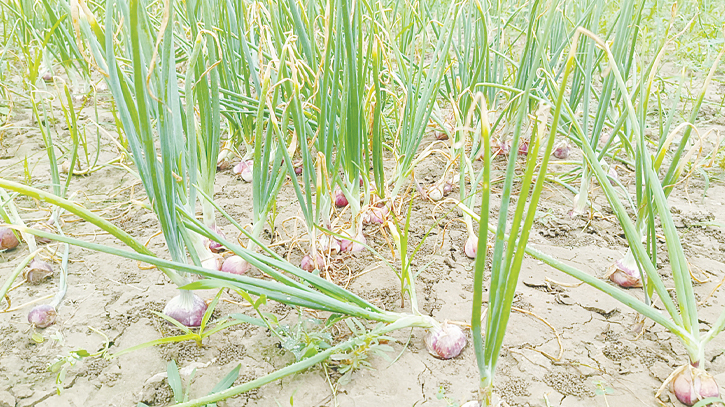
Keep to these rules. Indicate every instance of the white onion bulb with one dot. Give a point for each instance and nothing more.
(328, 243)
(435, 192)
(244, 168)
(213, 263)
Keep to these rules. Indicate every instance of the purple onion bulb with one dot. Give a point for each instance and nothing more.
(503, 147)
(214, 246)
(42, 316)
(356, 247)
(561, 150)
(376, 215)
(447, 188)
(45, 228)
(692, 385)
(187, 308)
(309, 265)
(340, 199)
(446, 341)
(626, 273)
(235, 265)
(471, 246)
(524, 147)
(37, 271)
(8, 240)
(345, 244)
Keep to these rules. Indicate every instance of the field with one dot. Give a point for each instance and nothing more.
(153, 141)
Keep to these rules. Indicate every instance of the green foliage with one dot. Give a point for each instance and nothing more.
(356, 358)
(305, 339)
(181, 395)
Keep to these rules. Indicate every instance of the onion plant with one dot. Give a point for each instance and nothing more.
(683, 321)
(420, 91)
(149, 103)
(508, 252)
(681, 314)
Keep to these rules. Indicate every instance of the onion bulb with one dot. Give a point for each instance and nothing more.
(8, 240)
(65, 167)
(340, 199)
(446, 341)
(613, 176)
(580, 206)
(223, 164)
(376, 215)
(441, 136)
(345, 244)
(37, 271)
(42, 316)
(214, 246)
(212, 263)
(244, 168)
(297, 167)
(358, 245)
(187, 308)
(524, 147)
(235, 265)
(435, 192)
(692, 385)
(502, 147)
(328, 243)
(309, 265)
(45, 228)
(471, 246)
(561, 150)
(626, 273)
